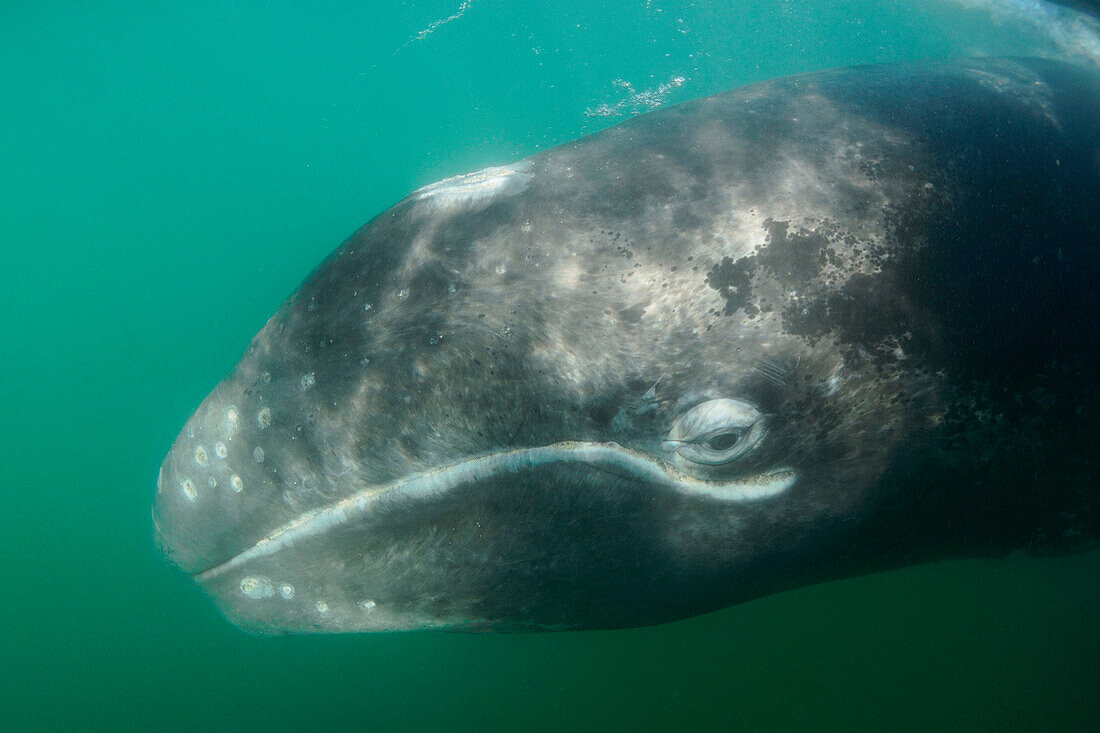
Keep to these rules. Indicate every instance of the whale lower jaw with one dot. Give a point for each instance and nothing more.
(609, 458)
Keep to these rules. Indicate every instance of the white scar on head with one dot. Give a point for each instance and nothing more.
(474, 190)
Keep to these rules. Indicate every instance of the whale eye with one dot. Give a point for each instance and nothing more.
(716, 432)
(724, 440)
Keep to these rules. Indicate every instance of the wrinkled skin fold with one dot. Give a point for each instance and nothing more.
(806, 329)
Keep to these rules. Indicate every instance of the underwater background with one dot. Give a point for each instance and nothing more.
(171, 172)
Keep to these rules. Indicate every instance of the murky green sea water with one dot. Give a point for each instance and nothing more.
(170, 173)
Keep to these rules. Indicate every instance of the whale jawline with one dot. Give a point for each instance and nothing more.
(606, 457)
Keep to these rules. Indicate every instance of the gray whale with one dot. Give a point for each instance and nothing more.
(806, 329)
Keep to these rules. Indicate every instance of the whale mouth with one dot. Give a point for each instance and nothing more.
(607, 458)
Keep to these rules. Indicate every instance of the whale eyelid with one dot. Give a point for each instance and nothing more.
(722, 430)
(691, 432)
(704, 437)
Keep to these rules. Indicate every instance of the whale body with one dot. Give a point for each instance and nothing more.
(806, 329)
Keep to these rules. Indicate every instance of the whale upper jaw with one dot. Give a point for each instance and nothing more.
(609, 458)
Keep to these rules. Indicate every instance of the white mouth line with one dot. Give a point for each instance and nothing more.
(441, 480)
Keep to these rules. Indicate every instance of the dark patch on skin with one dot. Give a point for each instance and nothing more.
(686, 218)
(733, 281)
(807, 317)
(603, 412)
(863, 313)
(796, 258)
(866, 313)
(634, 313)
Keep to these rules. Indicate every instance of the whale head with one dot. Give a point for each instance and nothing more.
(708, 354)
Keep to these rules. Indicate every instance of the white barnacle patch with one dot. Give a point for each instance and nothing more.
(263, 418)
(232, 419)
(477, 189)
(257, 587)
(368, 605)
(307, 381)
(321, 607)
(286, 590)
(220, 450)
(258, 454)
(201, 456)
(187, 486)
(236, 483)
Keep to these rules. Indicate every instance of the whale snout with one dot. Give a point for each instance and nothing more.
(213, 480)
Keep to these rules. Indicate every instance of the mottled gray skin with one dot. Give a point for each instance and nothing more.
(467, 416)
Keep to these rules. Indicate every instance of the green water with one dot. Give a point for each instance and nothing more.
(171, 171)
